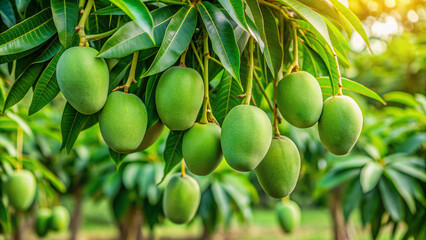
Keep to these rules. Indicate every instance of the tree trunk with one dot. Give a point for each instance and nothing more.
(340, 229)
(130, 226)
(77, 213)
(19, 226)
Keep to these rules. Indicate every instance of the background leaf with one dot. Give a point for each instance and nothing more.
(235, 9)
(72, 123)
(370, 176)
(7, 14)
(65, 16)
(172, 152)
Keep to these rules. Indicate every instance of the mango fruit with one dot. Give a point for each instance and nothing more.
(20, 188)
(123, 122)
(151, 136)
(43, 220)
(299, 99)
(60, 219)
(279, 170)
(201, 148)
(246, 137)
(340, 124)
(83, 79)
(288, 213)
(178, 97)
(181, 199)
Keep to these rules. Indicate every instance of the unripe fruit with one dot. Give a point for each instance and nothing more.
(181, 199)
(201, 148)
(43, 221)
(151, 136)
(299, 99)
(123, 122)
(178, 97)
(340, 124)
(20, 189)
(246, 137)
(279, 170)
(288, 213)
(83, 79)
(60, 218)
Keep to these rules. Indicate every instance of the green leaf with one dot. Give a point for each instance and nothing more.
(235, 9)
(222, 37)
(28, 34)
(65, 16)
(353, 20)
(131, 38)
(273, 49)
(353, 87)
(10, 57)
(403, 186)
(351, 197)
(7, 14)
(221, 199)
(5, 218)
(110, 10)
(242, 37)
(255, 22)
(410, 170)
(35, 165)
(226, 97)
(176, 38)
(370, 176)
(339, 43)
(150, 100)
(401, 97)
(311, 17)
(72, 123)
(334, 179)
(117, 158)
(172, 152)
(118, 72)
(139, 13)
(47, 86)
(350, 161)
(312, 62)
(49, 51)
(21, 6)
(391, 200)
(22, 84)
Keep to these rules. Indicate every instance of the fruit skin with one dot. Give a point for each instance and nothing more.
(83, 79)
(123, 122)
(20, 188)
(299, 99)
(151, 136)
(246, 137)
(181, 199)
(43, 221)
(340, 124)
(288, 213)
(60, 218)
(279, 170)
(178, 97)
(201, 148)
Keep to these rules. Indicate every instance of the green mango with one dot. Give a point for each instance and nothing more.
(279, 170)
(83, 79)
(178, 97)
(201, 148)
(340, 124)
(299, 99)
(289, 216)
(43, 221)
(60, 219)
(20, 188)
(246, 137)
(151, 136)
(123, 122)
(181, 199)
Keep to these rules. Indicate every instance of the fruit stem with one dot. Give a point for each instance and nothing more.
(295, 64)
(286, 198)
(251, 72)
(340, 91)
(262, 89)
(276, 129)
(132, 72)
(81, 23)
(197, 56)
(205, 76)
(101, 35)
(182, 170)
(19, 146)
(182, 57)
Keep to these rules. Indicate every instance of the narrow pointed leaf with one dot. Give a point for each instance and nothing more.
(150, 100)
(235, 9)
(28, 34)
(22, 84)
(118, 72)
(172, 152)
(110, 10)
(403, 186)
(176, 38)
(242, 37)
(131, 38)
(391, 200)
(255, 22)
(5, 218)
(72, 123)
(15, 56)
(47, 86)
(138, 12)
(49, 51)
(370, 176)
(21, 5)
(65, 16)
(222, 36)
(7, 14)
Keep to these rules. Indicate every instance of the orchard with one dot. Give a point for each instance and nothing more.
(242, 119)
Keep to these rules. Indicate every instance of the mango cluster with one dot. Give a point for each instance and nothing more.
(56, 219)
